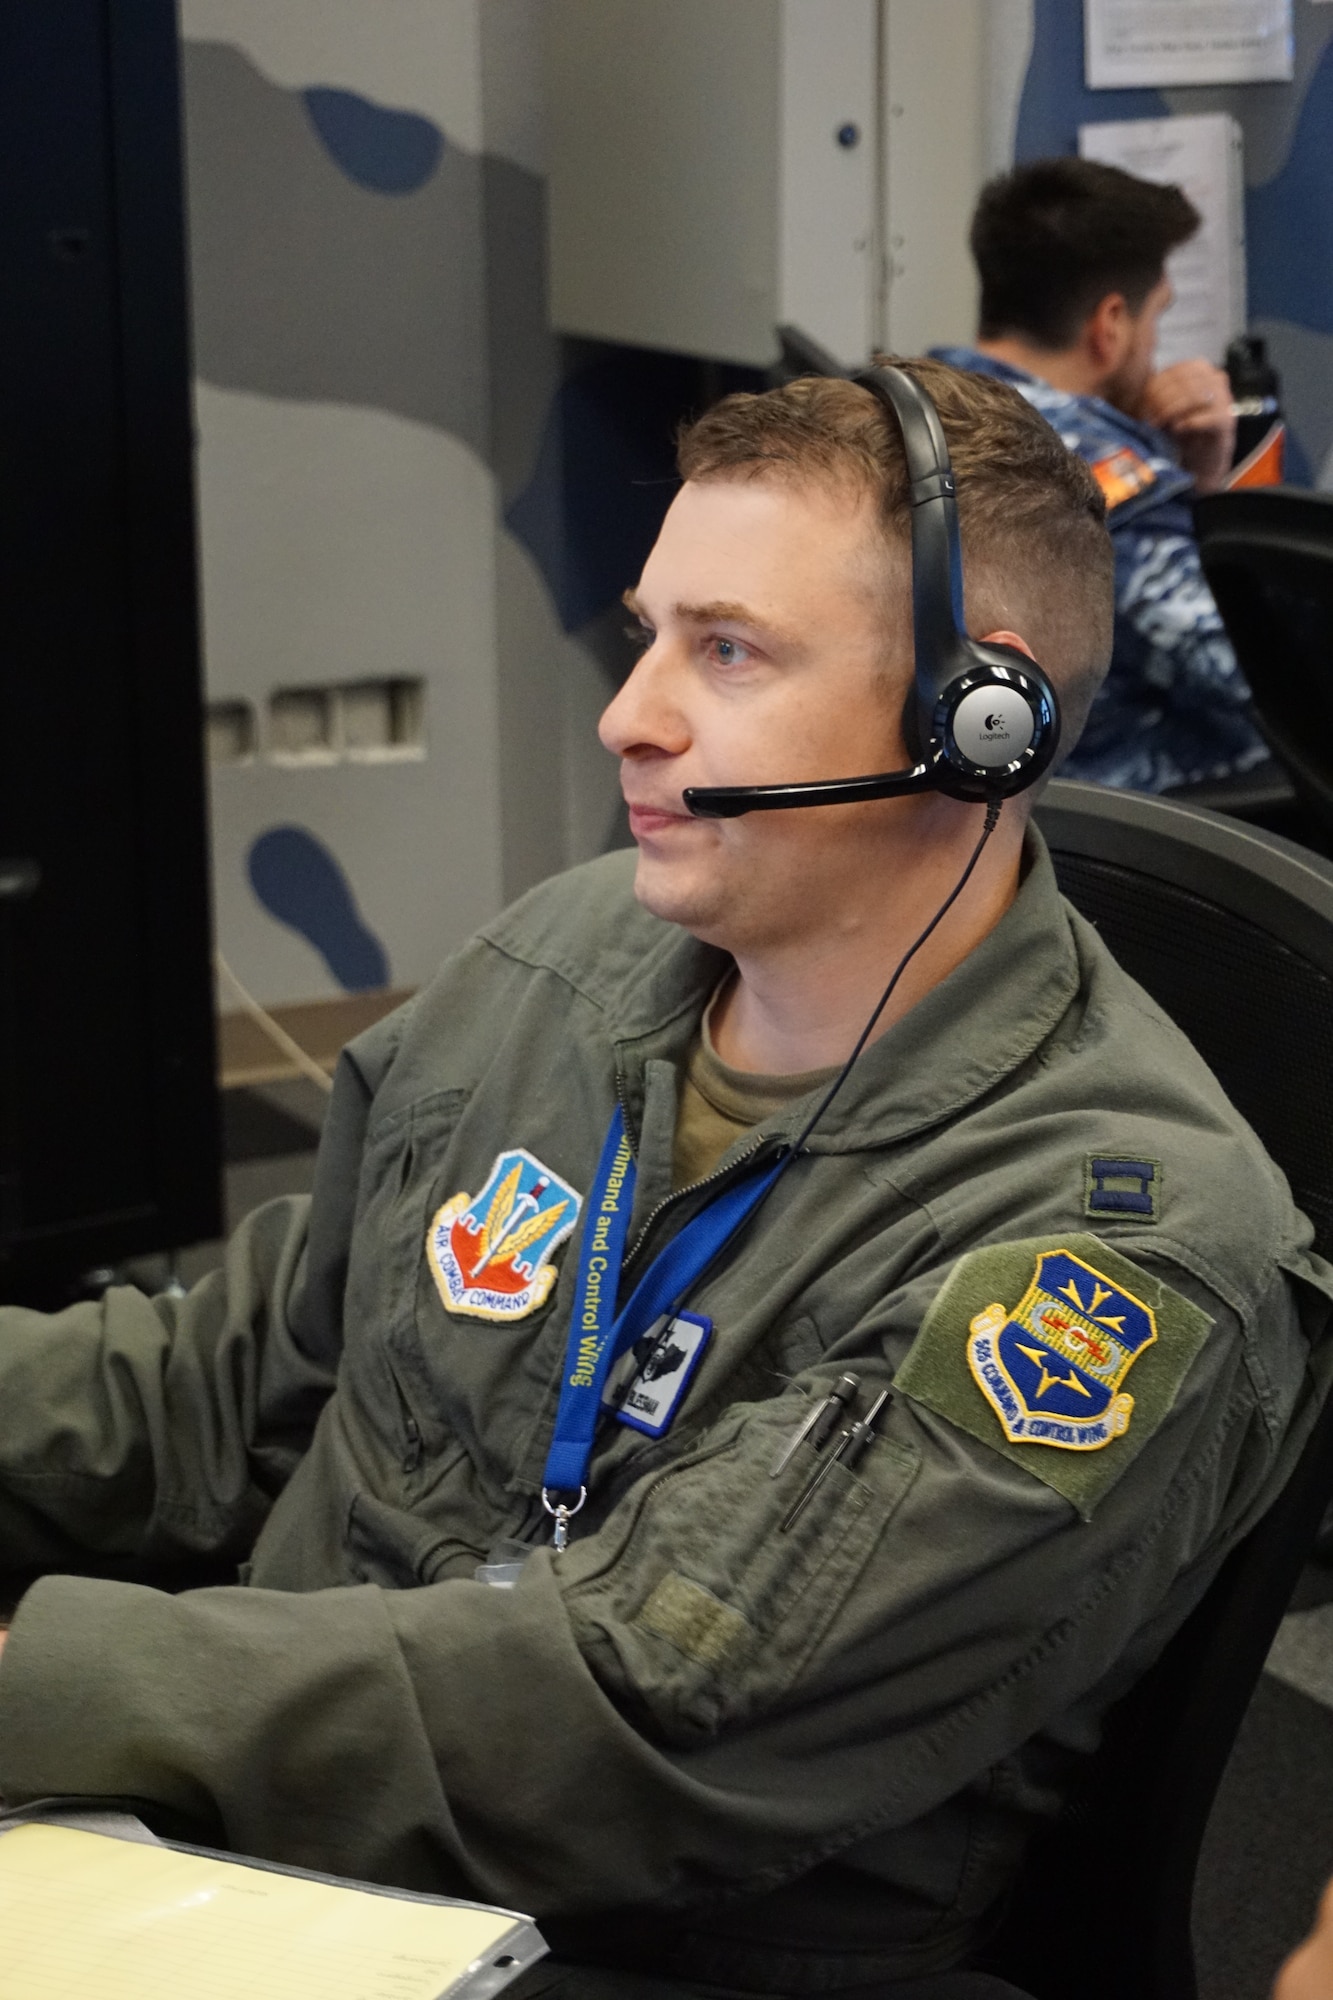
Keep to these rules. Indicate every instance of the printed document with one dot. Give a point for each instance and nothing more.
(82, 1914)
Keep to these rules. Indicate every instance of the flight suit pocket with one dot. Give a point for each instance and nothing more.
(708, 1610)
(402, 1160)
(400, 1551)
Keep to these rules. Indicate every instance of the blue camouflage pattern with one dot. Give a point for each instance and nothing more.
(1175, 707)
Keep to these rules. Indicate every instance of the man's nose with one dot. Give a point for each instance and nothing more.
(645, 716)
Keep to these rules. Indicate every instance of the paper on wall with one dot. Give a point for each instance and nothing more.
(1138, 42)
(1203, 156)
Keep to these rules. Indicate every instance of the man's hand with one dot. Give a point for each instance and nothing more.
(1308, 1973)
(1191, 402)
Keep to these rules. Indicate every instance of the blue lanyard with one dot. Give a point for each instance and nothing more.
(597, 1336)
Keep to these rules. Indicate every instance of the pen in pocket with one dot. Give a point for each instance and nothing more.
(846, 1452)
(818, 1425)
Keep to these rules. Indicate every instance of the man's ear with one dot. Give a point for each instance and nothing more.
(1019, 808)
(1009, 639)
(1106, 332)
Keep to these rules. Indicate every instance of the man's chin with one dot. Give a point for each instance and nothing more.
(678, 896)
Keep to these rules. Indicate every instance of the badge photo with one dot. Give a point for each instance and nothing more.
(1051, 1368)
(648, 1384)
(490, 1253)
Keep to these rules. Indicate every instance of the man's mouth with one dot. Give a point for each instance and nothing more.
(644, 818)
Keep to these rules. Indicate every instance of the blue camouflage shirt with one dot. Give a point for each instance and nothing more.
(1175, 708)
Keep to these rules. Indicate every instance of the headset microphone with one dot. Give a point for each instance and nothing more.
(982, 718)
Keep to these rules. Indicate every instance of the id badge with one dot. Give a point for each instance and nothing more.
(648, 1386)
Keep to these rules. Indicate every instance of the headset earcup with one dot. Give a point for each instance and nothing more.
(1000, 723)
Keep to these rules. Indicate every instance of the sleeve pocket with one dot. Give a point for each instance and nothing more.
(692, 1606)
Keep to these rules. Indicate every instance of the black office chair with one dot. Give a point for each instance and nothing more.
(1231, 930)
(1265, 796)
(1268, 557)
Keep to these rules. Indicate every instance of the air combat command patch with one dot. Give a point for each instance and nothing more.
(1088, 1358)
(490, 1253)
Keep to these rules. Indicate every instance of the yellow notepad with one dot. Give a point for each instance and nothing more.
(84, 1915)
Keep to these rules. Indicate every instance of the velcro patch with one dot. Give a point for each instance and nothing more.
(1122, 475)
(1028, 1347)
(1114, 1186)
(698, 1624)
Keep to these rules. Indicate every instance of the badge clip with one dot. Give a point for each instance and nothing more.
(562, 1514)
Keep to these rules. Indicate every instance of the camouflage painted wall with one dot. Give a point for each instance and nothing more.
(407, 480)
(381, 467)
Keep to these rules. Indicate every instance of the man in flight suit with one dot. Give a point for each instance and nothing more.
(1071, 256)
(716, 1745)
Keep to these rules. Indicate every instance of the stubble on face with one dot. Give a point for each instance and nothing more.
(1126, 387)
(821, 701)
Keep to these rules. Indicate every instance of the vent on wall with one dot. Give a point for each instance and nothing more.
(230, 732)
(367, 722)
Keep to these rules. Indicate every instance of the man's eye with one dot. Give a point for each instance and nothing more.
(728, 651)
(640, 636)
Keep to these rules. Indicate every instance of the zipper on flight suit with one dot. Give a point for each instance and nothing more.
(678, 1194)
(414, 1446)
(534, 1520)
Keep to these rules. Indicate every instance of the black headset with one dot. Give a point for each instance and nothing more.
(982, 720)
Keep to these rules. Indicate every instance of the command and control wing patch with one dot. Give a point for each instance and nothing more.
(490, 1253)
(1060, 1354)
(1051, 1368)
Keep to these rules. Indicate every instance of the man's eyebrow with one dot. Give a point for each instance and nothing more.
(722, 611)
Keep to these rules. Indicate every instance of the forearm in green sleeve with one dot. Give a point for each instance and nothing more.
(157, 1427)
(446, 1738)
(619, 1733)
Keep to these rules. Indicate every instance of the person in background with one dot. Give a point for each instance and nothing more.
(1072, 257)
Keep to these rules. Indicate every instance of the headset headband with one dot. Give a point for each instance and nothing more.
(937, 556)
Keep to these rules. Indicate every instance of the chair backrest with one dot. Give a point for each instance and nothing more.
(1231, 930)
(1268, 557)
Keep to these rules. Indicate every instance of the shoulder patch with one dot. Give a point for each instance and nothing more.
(1122, 475)
(1112, 1186)
(1028, 1347)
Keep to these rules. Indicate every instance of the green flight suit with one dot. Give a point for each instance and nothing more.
(763, 1761)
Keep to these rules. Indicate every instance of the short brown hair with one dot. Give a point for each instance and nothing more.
(1036, 555)
(1054, 237)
